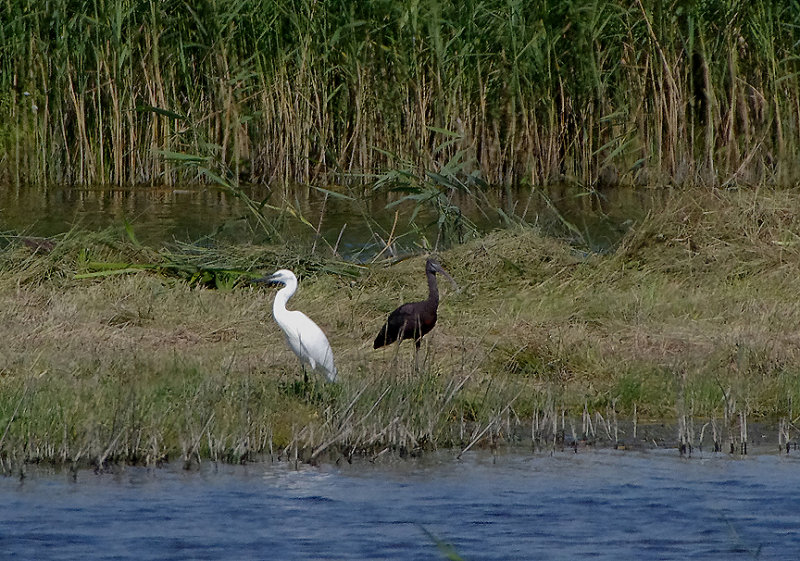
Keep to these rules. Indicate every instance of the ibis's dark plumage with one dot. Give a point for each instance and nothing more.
(415, 319)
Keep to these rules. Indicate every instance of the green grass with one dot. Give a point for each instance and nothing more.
(690, 319)
(92, 91)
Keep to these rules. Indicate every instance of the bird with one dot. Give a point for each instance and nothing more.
(414, 319)
(303, 336)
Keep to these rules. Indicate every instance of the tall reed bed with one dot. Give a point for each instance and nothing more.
(649, 91)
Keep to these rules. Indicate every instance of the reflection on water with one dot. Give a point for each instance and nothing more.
(356, 227)
(599, 504)
(156, 214)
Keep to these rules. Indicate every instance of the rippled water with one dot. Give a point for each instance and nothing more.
(594, 504)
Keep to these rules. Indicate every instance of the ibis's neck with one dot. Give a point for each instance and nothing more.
(433, 289)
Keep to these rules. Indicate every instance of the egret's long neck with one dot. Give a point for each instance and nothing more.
(281, 298)
(433, 289)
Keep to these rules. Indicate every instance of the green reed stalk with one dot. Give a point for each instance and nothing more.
(539, 91)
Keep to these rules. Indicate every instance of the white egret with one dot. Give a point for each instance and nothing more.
(303, 336)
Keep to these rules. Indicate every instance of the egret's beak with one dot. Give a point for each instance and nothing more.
(272, 279)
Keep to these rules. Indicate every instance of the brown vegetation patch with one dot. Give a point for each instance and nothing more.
(148, 365)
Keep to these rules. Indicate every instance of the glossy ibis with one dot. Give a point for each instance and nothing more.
(415, 319)
(303, 336)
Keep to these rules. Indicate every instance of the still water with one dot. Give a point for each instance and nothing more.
(599, 504)
(356, 226)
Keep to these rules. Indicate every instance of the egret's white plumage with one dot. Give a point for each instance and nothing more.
(303, 336)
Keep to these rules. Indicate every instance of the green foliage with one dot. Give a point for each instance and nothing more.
(680, 91)
(437, 193)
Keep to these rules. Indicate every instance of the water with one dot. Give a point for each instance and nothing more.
(356, 228)
(594, 504)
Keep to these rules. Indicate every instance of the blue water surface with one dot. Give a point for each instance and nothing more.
(596, 504)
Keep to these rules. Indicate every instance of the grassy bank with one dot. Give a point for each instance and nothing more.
(644, 91)
(691, 320)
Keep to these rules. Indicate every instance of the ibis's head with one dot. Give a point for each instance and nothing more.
(283, 276)
(432, 266)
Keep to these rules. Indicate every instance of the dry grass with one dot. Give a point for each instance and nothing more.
(693, 317)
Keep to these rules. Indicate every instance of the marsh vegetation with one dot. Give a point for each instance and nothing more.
(114, 351)
(118, 350)
(92, 92)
